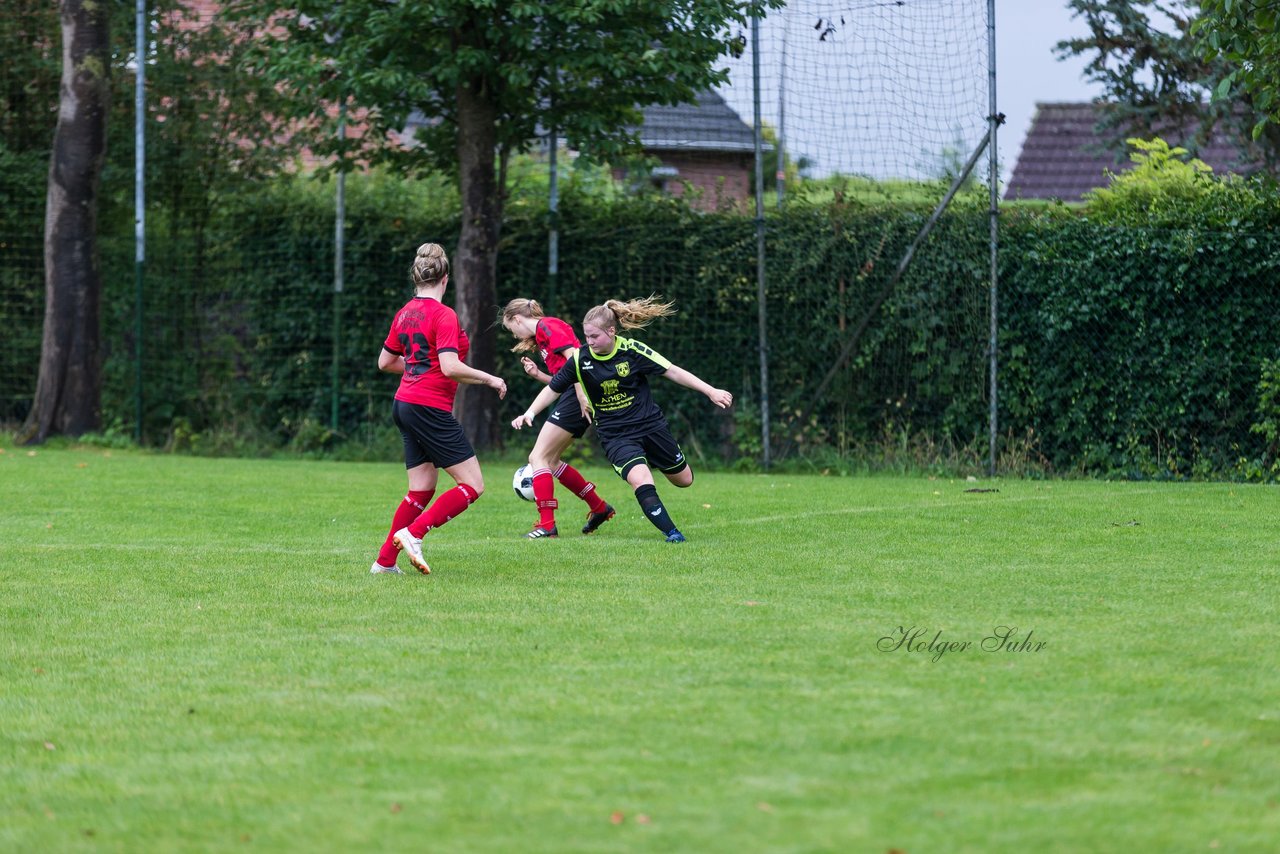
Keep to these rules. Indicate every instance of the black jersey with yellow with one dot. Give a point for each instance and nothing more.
(617, 386)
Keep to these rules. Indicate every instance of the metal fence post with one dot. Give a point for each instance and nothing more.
(761, 307)
(553, 224)
(994, 119)
(339, 250)
(139, 203)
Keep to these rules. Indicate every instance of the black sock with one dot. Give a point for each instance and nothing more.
(651, 504)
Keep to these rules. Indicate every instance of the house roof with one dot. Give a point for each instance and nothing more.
(706, 124)
(1063, 157)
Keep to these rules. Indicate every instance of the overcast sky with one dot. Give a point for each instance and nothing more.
(1027, 70)
(895, 87)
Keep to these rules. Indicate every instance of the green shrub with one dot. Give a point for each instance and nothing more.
(1160, 182)
(1132, 330)
(1265, 466)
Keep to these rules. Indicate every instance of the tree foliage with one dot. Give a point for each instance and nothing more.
(1246, 36)
(210, 130)
(29, 90)
(1158, 79)
(209, 136)
(483, 78)
(585, 68)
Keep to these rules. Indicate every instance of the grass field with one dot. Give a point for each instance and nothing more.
(194, 656)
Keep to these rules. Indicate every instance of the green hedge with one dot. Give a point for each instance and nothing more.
(268, 320)
(1137, 352)
(1124, 350)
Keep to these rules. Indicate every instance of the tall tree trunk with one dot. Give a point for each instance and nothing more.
(476, 263)
(68, 387)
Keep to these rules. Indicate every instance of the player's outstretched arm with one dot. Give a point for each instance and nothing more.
(456, 369)
(680, 376)
(541, 402)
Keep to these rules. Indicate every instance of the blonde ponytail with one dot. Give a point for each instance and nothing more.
(632, 314)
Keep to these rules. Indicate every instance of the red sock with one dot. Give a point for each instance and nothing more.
(544, 490)
(410, 508)
(446, 507)
(573, 481)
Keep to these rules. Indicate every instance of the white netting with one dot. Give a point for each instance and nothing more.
(889, 90)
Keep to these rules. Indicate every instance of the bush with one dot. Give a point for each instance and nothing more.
(1132, 335)
(1132, 330)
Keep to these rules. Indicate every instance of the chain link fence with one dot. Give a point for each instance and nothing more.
(1121, 351)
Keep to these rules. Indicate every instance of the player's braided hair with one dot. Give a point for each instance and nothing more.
(523, 308)
(430, 265)
(632, 314)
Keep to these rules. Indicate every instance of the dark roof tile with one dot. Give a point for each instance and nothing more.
(1062, 156)
(707, 124)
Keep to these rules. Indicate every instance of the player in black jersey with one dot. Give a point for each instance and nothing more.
(614, 373)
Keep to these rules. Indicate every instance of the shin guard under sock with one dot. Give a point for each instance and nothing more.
(544, 490)
(410, 508)
(572, 480)
(449, 505)
(651, 504)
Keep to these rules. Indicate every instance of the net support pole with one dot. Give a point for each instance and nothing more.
(994, 120)
(761, 307)
(780, 171)
(553, 217)
(339, 252)
(139, 204)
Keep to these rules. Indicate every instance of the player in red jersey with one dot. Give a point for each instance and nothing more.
(613, 372)
(554, 341)
(427, 347)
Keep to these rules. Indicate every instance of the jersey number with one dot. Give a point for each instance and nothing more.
(416, 360)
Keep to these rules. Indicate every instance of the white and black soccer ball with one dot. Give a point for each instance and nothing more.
(522, 482)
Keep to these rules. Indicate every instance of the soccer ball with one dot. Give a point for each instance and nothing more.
(522, 482)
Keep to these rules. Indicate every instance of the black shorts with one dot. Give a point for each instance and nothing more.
(567, 415)
(430, 436)
(656, 449)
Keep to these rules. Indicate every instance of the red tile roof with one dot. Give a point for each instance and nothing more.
(1063, 157)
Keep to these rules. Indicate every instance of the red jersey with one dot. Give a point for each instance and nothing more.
(552, 336)
(422, 330)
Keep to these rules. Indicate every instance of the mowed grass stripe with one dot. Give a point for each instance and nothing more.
(220, 670)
